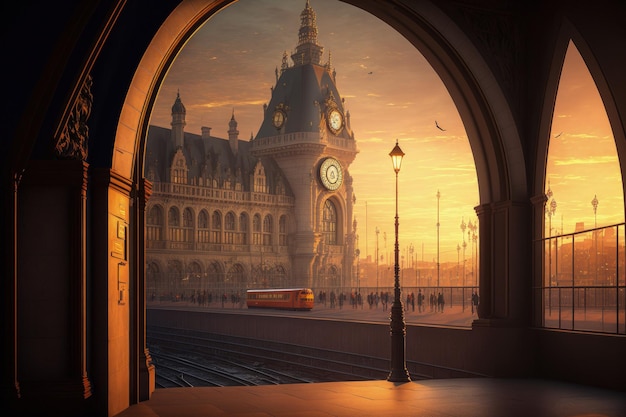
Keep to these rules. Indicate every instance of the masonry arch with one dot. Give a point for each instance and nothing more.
(488, 121)
(491, 129)
(101, 330)
(567, 32)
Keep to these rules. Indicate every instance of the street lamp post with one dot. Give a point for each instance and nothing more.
(472, 239)
(458, 255)
(463, 226)
(438, 224)
(550, 210)
(594, 204)
(470, 226)
(398, 372)
(377, 232)
(475, 244)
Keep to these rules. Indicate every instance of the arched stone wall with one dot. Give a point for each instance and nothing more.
(505, 128)
(474, 88)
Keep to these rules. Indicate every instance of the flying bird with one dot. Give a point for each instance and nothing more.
(558, 135)
(439, 127)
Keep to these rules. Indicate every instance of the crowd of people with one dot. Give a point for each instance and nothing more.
(374, 300)
(382, 298)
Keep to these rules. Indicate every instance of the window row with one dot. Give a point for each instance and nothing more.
(216, 228)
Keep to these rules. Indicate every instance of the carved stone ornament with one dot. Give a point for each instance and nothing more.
(73, 141)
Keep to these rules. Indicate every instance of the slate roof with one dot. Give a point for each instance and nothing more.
(303, 89)
(209, 157)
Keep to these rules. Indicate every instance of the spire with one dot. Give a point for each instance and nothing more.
(178, 107)
(284, 65)
(308, 50)
(178, 121)
(233, 134)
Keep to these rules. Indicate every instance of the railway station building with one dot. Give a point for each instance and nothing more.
(271, 211)
(80, 249)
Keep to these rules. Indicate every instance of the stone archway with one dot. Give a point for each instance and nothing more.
(488, 120)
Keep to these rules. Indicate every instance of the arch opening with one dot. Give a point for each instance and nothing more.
(582, 286)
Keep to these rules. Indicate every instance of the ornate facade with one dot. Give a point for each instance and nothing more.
(272, 211)
(75, 201)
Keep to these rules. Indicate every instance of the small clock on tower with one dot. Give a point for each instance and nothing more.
(335, 120)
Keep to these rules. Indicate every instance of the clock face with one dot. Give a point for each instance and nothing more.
(331, 174)
(279, 119)
(335, 121)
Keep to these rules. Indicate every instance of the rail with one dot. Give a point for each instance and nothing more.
(582, 284)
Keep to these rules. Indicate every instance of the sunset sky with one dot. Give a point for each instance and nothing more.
(582, 159)
(392, 93)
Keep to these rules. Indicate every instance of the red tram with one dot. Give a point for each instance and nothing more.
(286, 298)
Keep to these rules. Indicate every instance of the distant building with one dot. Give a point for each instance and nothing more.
(228, 214)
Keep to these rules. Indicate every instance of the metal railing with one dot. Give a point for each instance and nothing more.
(582, 285)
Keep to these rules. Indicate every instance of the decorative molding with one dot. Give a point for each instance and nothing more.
(497, 35)
(73, 141)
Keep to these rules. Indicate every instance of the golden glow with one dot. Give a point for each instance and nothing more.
(391, 92)
(582, 157)
(396, 155)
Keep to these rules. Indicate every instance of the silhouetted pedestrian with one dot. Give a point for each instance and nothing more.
(440, 302)
(474, 302)
(420, 300)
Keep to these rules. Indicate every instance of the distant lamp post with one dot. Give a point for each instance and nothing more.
(594, 204)
(438, 224)
(398, 327)
(377, 232)
(458, 255)
(473, 227)
(463, 227)
(357, 253)
(550, 210)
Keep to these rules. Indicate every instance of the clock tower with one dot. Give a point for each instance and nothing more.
(306, 130)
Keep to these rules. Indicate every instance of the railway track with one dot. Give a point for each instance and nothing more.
(176, 370)
(261, 363)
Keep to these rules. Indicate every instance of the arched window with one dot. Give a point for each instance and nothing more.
(216, 227)
(229, 228)
(282, 231)
(203, 227)
(173, 219)
(256, 229)
(187, 225)
(267, 230)
(329, 223)
(154, 227)
(584, 210)
(175, 233)
(259, 179)
(242, 234)
(179, 169)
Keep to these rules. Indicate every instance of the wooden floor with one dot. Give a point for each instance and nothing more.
(463, 397)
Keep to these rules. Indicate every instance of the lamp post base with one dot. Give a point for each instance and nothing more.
(398, 372)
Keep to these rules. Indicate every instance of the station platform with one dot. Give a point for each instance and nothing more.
(461, 397)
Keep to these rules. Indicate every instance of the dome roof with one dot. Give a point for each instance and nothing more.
(178, 106)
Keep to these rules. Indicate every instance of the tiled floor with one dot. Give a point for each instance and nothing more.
(483, 397)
